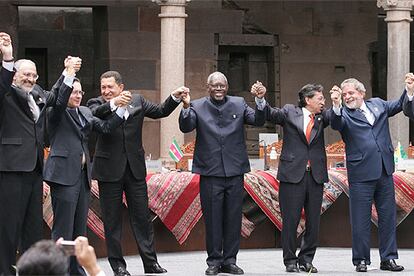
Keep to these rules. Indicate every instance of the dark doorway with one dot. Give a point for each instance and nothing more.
(245, 64)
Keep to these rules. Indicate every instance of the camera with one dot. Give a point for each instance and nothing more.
(68, 247)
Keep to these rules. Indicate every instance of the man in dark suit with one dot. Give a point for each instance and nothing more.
(67, 169)
(370, 164)
(220, 157)
(302, 172)
(22, 109)
(119, 166)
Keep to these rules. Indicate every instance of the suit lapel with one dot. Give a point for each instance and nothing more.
(316, 127)
(298, 122)
(357, 115)
(21, 97)
(75, 118)
(374, 110)
(38, 97)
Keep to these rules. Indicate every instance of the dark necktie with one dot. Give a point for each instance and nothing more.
(76, 116)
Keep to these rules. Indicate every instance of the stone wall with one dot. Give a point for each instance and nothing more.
(320, 42)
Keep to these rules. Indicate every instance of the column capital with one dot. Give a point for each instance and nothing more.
(395, 4)
(397, 10)
(171, 2)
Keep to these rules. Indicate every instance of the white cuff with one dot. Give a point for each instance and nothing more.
(337, 110)
(121, 111)
(112, 105)
(261, 103)
(9, 65)
(177, 100)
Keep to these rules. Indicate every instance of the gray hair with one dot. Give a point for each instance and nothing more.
(216, 74)
(359, 86)
(20, 62)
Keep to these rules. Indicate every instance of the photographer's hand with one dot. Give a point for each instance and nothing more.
(85, 254)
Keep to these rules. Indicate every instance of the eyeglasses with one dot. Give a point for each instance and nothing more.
(78, 92)
(30, 75)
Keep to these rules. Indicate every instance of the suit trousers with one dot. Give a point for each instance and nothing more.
(361, 196)
(70, 213)
(21, 217)
(110, 194)
(293, 197)
(221, 202)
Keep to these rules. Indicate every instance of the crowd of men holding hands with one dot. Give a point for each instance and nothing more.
(220, 158)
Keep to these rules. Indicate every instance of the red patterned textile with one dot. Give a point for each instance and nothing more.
(263, 187)
(174, 198)
(404, 194)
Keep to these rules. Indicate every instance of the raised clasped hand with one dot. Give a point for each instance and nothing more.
(409, 83)
(123, 99)
(258, 90)
(336, 96)
(6, 48)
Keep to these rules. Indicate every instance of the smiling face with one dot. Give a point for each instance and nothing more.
(217, 87)
(26, 75)
(352, 97)
(110, 89)
(316, 103)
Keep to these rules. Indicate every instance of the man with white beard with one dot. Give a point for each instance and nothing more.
(22, 116)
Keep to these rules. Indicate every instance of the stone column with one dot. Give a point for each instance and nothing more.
(172, 65)
(398, 23)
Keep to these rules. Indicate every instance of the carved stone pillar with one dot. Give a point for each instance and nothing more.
(398, 23)
(172, 65)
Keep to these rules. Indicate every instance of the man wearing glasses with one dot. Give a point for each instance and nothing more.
(22, 109)
(68, 169)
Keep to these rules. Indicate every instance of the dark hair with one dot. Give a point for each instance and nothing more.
(75, 79)
(308, 91)
(43, 258)
(112, 74)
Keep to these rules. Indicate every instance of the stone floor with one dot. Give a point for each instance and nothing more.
(261, 262)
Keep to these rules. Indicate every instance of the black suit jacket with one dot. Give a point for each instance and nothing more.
(220, 148)
(296, 151)
(69, 140)
(21, 139)
(124, 144)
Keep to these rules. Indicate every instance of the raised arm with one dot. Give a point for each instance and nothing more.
(6, 71)
(188, 118)
(335, 114)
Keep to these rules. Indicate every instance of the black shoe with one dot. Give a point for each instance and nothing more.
(361, 267)
(121, 271)
(232, 269)
(292, 268)
(154, 268)
(212, 270)
(308, 267)
(391, 265)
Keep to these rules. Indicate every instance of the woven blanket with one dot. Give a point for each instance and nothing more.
(263, 187)
(94, 221)
(174, 198)
(404, 194)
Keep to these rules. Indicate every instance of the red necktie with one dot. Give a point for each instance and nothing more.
(310, 126)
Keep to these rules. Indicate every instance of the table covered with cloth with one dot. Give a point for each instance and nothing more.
(174, 198)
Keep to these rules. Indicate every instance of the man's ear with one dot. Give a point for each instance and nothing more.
(121, 86)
